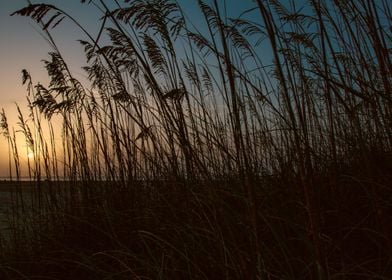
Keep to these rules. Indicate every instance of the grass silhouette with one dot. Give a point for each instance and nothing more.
(192, 155)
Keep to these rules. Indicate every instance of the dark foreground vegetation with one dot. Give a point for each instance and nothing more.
(255, 147)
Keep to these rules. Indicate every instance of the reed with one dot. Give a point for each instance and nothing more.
(255, 147)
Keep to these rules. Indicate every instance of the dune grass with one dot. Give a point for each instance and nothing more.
(256, 147)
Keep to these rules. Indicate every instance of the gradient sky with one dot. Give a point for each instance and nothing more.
(23, 47)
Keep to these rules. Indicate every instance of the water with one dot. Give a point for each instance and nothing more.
(5, 206)
(7, 196)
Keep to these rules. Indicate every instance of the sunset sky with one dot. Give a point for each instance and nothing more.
(188, 139)
(22, 46)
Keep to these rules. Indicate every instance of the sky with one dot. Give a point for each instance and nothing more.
(22, 46)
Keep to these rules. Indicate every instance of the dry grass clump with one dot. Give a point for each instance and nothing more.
(193, 155)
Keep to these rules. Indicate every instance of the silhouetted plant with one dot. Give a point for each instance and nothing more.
(192, 154)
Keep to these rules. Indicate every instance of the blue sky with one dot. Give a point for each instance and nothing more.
(23, 47)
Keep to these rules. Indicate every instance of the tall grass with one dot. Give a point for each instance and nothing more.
(256, 147)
